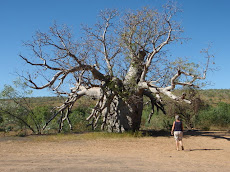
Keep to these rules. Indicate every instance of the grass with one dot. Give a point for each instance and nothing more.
(85, 136)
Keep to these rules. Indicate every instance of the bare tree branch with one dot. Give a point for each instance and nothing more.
(117, 62)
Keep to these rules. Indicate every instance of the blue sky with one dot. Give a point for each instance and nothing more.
(204, 21)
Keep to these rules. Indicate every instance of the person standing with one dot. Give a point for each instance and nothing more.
(177, 131)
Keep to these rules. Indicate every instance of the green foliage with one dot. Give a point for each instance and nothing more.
(78, 120)
(215, 117)
(214, 96)
(7, 92)
(18, 113)
(200, 114)
(159, 121)
(38, 116)
(162, 122)
(185, 65)
(36, 111)
(1, 118)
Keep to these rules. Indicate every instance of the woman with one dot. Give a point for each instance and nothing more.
(177, 130)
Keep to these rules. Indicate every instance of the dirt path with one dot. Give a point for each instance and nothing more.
(204, 151)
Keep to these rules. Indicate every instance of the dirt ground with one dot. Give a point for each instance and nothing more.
(204, 151)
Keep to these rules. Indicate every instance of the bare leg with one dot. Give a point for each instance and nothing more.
(181, 144)
(177, 145)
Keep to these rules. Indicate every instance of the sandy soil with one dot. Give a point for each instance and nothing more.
(204, 151)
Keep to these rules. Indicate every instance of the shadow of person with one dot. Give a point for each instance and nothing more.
(203, 149)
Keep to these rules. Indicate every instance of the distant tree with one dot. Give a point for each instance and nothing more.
(12, 107)
(17, 110)
(118, 61)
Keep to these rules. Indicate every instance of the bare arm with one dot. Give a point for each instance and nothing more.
(173, 128)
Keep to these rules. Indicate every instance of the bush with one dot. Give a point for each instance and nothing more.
(215, 117)
(78, 120)
(159, 121)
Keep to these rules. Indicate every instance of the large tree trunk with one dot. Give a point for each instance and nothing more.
(123, 115)
(126, 108)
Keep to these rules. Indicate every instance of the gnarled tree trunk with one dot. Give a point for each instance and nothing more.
(126, 108)
(123, 115)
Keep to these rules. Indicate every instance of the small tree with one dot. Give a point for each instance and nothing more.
(188, 112)
(117, 62)
(17, 110)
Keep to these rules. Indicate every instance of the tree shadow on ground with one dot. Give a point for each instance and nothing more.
(156, 133)
(188, 133)
(213, 134)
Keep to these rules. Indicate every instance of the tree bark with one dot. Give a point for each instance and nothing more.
(123, 115)
(126, 109)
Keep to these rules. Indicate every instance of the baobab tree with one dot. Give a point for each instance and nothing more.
(117, 62)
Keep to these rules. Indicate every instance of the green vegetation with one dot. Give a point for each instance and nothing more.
(18, 113)
(214, 117)
(87, 136)
(210, 110)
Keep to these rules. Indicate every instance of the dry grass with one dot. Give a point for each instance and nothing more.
(73, 136)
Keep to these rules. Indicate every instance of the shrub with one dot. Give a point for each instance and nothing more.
(78, 120)
(215, 117)
(159, 121)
